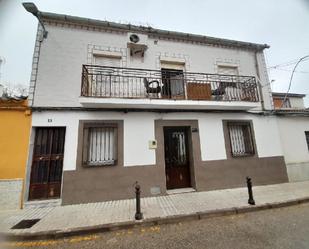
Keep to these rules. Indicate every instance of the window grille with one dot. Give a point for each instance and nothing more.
(241, 139)
(100, 145)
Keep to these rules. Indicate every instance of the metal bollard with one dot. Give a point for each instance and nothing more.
(138, 214)
(249, 185)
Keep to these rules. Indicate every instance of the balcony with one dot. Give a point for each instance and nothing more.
(163, 89)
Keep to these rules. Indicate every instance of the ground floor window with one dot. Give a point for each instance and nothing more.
(241, 139)
(100, 144)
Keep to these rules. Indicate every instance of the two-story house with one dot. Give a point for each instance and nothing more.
(115, 103)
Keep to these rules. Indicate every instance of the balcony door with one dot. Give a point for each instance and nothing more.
(177, 162)
(172, 81)
(47, 162)
(231, 89)
(105, 82)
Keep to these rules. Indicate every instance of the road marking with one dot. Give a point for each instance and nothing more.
(77, 239)
(48, 242)
(83, 238)
(29, 243)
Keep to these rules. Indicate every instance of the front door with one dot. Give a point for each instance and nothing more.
(177, 162)
(46, 170)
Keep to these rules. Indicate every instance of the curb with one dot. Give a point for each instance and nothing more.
(57, 234)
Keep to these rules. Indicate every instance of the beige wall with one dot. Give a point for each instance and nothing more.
(296, 153)
(297, 102)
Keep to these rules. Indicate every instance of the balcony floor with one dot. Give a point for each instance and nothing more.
(92, 102)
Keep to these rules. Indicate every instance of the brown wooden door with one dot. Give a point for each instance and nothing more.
(46, 170)
(177, 163)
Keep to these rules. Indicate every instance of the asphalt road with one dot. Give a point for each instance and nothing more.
(276, 228)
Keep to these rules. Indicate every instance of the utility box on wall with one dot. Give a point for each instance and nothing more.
(152, 144)
(137, 43)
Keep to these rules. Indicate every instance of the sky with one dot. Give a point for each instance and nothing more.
(283, 24)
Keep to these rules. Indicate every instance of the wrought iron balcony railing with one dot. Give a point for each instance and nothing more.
(114, 82)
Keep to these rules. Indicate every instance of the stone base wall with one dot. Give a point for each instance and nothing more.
(298, 171)
(10, 193)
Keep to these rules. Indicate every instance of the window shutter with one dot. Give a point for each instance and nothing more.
(107, 61)
(104, 85)
(227, 70)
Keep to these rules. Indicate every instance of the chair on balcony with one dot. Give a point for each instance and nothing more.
(219, 91)
(150, 88)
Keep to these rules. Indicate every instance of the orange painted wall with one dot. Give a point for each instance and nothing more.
(15, 122)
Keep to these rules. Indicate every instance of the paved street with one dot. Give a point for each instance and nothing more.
(275, 228)
(63, 218)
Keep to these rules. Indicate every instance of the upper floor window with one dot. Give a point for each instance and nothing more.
(241, 138)
(103, 60)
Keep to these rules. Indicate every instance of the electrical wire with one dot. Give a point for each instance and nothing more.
(287, 70)
(299, 61)
(286, 64)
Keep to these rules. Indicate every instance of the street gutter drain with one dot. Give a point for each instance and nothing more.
(25, 224)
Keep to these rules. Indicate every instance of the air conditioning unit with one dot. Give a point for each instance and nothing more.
(137, 43)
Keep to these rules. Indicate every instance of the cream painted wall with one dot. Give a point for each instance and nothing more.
(139, 129)
(296, 153)
(66, 49)
(297, 102)
(292, 133)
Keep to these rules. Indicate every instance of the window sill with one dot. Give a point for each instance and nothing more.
(241, 156)
(99, 165)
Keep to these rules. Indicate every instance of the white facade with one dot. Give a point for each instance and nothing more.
(139, 130)
(67, 48)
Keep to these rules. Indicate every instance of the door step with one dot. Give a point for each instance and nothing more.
(42, 203)
(180, 191)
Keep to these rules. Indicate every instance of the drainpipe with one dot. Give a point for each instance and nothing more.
(1, 91)
(258, 79)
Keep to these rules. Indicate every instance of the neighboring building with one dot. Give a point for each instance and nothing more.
(292, 100)
(15, 124)
(293, 124)
(114, 104)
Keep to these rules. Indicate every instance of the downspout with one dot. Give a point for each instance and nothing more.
(259, 81)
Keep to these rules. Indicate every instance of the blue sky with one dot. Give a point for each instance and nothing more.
(281, 24)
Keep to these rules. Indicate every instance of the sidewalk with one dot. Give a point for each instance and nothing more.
(74, 219)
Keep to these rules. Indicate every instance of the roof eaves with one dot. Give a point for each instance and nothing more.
(150, 30)
(298, 95)
(295, 112)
